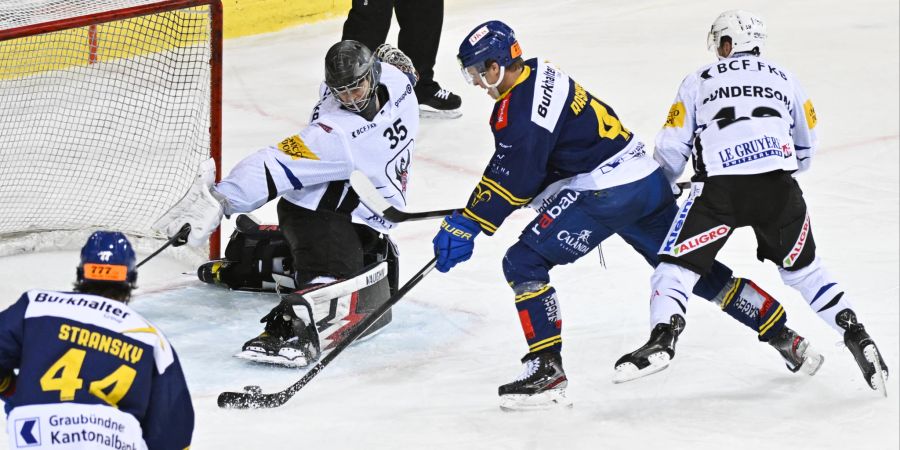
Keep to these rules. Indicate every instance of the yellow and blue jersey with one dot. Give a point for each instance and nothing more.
(548, 128)
(91, 370)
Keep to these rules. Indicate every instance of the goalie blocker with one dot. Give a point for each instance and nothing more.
(257, 258)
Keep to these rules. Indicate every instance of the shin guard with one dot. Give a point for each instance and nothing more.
(752, 306)
(540, 316)
(823, 294)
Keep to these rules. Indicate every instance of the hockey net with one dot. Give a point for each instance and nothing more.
(107, 109)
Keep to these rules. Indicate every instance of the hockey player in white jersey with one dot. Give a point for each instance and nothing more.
(367, 120)
(750, 128)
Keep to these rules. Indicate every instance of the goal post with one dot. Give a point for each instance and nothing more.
(107, 109)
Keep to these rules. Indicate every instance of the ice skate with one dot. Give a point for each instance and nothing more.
(653, 356)
(796, 351)
(287, 341)
(864, 351)
(542, 385)
(439, 104)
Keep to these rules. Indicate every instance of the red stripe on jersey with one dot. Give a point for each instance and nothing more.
(526, 324)
(501, 120)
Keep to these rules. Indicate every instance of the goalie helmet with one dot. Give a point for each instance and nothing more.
(746, 30)
(492, 41)
(351, 73)
(107, 258)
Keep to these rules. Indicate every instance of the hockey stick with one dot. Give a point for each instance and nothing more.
(369, 196)
(178, 238)
(255, 399)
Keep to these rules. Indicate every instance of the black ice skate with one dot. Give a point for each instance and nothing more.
(797, 352)
(654, 355)
(864, 351)
(210, 272)
(287, 340)
(541, 385)
(439, 103)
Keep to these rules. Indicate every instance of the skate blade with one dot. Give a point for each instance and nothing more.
(629, 371)
(549, 399)
(878, 381)
(812, 361)
(273, 360)
(427, 112)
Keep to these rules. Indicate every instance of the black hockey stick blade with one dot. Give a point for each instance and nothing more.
(369, 196)
(253, 399)
(179, 238)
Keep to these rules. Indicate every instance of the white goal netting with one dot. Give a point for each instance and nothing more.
(105, 113)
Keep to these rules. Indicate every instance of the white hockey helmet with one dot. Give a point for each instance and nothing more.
(746, 30)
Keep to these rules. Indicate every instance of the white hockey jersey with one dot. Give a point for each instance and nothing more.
(335, 143)
(741, 115)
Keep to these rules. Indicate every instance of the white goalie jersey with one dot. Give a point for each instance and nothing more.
(741, 115)
(334, 144)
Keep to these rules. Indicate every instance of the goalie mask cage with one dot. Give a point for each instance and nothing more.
(107, 109)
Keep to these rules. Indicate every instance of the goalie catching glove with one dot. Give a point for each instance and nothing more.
(201, 207)
(395, 57)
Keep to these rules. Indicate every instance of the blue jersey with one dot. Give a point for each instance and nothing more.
(93, 373)
(551, 132)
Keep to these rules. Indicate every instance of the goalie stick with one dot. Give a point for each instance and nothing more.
(369, 196)
(255, 399)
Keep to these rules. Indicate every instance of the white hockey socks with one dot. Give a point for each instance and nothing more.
(672, 286)
(823, 294)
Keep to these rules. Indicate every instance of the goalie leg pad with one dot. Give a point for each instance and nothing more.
(254, 256)
(337, 317)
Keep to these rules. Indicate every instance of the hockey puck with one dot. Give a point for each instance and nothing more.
(253, 389)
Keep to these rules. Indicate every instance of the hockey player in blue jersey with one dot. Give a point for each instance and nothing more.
(92, 373)
(564, 152)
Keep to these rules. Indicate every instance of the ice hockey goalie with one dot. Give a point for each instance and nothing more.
(311, 317)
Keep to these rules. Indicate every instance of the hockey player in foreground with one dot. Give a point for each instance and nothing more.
(750, 128)
(93, 373)
(366, 119)
(564, 152)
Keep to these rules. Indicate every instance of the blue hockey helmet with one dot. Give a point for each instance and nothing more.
(491, 41)
(107, 258)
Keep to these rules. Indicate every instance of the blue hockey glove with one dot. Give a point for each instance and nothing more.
(455, 241)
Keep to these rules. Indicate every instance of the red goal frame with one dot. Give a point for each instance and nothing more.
(215, 6)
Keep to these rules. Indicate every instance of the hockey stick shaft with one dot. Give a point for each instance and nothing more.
(245, 400)
(369, 196)
(180, 236)
(395, 215)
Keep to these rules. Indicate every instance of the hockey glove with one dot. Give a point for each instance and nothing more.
(395, 57)
(455, 241)
(199, 207)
